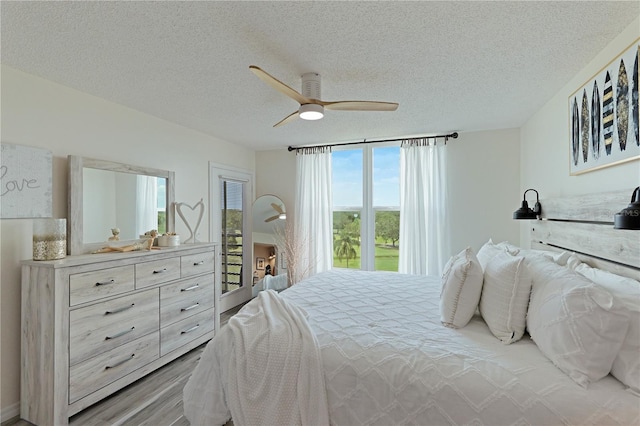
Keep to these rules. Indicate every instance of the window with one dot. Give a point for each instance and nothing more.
(232, 230)
(366, 208)
(161, 206)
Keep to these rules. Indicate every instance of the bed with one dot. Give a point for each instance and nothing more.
(370, 348)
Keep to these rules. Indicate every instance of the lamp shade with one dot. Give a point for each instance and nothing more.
(311, 111)
(525, 212)
(629, 218)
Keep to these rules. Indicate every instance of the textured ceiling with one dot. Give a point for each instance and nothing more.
(453, 65)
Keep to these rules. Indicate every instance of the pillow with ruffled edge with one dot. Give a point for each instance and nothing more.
(560, 257)
(578, 325)
(461, 288)
(505, 296)
(626, 365)
(488, 251)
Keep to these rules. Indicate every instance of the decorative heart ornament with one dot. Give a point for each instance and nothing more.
(199, 205)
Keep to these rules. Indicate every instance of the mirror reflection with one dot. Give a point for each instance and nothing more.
(126, 204)
(269, 220)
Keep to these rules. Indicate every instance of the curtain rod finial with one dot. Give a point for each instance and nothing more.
(290, 148)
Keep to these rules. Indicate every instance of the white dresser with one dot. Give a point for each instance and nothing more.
(92, 324)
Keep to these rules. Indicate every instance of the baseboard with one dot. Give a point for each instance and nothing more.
(8, 413)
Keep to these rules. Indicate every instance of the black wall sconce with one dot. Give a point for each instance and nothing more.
(629, 218)
(524, 212)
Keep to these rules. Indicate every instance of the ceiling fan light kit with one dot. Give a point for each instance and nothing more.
(311, 111)
(311, 107)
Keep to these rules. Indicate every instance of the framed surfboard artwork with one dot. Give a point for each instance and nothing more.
(604, 116)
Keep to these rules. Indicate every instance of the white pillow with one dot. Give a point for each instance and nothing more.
(579, 326)
(488, 251)
(461, 288)
(626, 366)
(505, 296)
(560, 257)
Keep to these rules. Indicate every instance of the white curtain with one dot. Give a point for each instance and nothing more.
(424, 236)
(313, 212)
(146, 204)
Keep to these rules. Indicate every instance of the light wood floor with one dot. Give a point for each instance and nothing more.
(154, 400)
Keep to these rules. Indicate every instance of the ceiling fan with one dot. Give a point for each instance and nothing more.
(311, 107)
(281, 213)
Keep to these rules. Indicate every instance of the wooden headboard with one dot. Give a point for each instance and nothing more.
(584, 225)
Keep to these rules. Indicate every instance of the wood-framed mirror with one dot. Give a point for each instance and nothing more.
(104, 195)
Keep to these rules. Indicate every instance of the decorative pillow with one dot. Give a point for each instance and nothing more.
(489, 250)
(560, 257)
(461, 288)
(626, 366)
(505, 296)
(573, 262)
(578, 325)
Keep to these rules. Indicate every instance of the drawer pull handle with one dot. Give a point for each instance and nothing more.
(188, 308)
(198, 263)
(122, 333)
(120, 362)
(190, 330)
(193, 287)
(159, 271)
(111, 281)
(124, 308)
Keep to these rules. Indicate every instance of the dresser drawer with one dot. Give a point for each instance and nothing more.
(156, 272)
(185, 298)
(94, 285)
(194, 264)
(184, 331)
(99, 371)
(98, 328)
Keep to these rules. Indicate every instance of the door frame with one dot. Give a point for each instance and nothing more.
(217, 171)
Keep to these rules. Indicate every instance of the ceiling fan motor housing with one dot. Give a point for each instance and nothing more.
(311, 85)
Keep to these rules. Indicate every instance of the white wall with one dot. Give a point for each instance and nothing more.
(276, 175)
(544, 139)
(483, 187)
(40, 113)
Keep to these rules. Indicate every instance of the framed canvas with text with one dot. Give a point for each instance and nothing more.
(604, 116)
(26, 180)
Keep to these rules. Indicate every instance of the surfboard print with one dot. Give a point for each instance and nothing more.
(575, 132)
(622, 106)
(584, 121)
(607, 114)
(635, 102)
(595, 121)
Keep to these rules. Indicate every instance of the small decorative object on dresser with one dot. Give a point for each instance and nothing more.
(169, 240)
(115, 234)
(49, 239)
(94, 324)
(193, 238)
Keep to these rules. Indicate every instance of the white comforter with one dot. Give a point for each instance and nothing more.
(270, 355)
(388, 360)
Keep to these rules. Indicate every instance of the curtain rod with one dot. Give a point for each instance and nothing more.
(453, 135)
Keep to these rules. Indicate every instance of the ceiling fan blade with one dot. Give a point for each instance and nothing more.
(278, 85)
(360, 106)
(269, 219)
(287, 119)
(277, 208)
